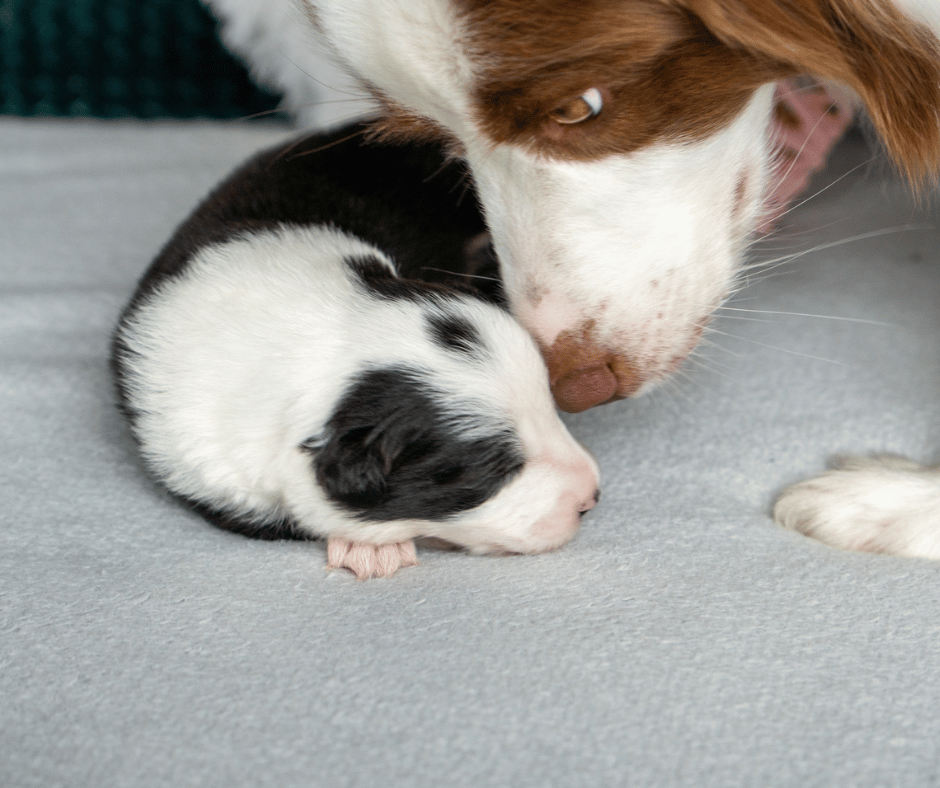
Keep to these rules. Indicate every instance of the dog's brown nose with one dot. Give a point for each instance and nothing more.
(584, 388)
(583, 374)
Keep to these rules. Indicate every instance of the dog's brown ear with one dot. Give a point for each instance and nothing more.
(892, 63)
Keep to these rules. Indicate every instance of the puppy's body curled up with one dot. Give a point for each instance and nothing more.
(290, 367)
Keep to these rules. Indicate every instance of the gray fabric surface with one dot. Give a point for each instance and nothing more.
(681, 640)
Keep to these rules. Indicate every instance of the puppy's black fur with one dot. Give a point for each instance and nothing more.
(409, 200)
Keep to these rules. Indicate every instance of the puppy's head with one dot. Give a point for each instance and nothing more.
(456, 438)
(621, 150)
(391, 452)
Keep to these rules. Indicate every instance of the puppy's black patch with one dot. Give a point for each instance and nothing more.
(391, 452)
(453, 332)
(379, 281)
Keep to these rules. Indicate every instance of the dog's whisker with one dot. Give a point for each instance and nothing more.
(708, 370)
(841, 242)
(444, 165)
(711, 365)
(672, 391)
(711, 344)
(765, 265)
(288, 113)
(839, 318)
(461, 273)
(465, 180)
(825, 188)
(467, 183)
(755, 278)
(782, 178)
(257, 115)
(788, 351)
(791, 234)
(744, 319)
(312, 151)
(362, 95)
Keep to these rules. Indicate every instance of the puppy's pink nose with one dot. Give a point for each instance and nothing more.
(560, 524)
(583, 374)
(590, 503)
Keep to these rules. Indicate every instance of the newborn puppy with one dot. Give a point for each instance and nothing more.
(298, 363)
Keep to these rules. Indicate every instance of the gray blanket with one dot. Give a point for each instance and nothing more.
(682, 639)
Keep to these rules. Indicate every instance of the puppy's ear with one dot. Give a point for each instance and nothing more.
(354, 465)
(892, 63)
(385, 423)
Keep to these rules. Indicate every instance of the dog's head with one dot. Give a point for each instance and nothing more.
(621, 148)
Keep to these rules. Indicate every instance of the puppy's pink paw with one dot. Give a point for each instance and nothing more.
(369, 560)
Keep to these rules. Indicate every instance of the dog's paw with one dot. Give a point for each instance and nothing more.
(369, 560)
(879, 504)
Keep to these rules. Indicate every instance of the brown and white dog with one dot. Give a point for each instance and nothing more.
(621, 152)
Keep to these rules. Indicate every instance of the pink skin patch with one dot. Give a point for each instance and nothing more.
(808, 121)
(369, 560)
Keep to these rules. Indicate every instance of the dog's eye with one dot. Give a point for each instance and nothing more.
(584, 107)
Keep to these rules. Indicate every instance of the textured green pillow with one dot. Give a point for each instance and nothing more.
(120, 59)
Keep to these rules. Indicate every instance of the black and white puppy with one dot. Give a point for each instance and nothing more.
(290, 369)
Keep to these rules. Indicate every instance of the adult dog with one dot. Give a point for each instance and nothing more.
(621, 152)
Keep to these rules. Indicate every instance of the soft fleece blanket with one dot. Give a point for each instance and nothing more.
(681, 640)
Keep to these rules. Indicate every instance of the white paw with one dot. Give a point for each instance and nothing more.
(369, 560)
(879, 504)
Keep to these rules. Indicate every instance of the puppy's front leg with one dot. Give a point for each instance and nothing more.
(369, 560)
(879, 504)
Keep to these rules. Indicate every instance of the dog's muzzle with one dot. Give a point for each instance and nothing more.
(584, 373)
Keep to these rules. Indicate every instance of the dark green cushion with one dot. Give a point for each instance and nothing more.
(120, 59)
